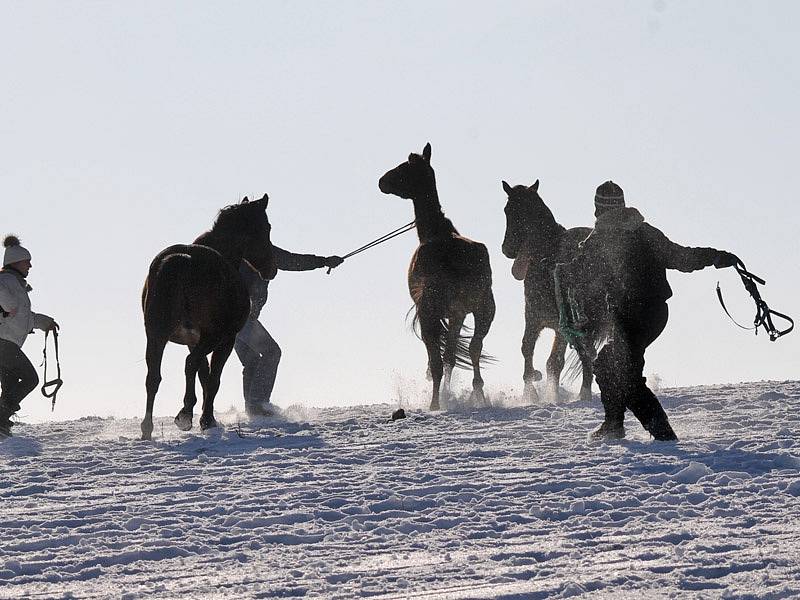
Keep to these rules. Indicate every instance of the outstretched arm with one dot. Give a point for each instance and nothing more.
(289, 261)
(686, 258)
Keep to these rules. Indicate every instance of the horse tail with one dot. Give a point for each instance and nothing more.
(462, 356)
(164, 293)
(574, 366)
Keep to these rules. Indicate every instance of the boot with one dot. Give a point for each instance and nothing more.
(609, 430)
(661, 430)
(259, 410)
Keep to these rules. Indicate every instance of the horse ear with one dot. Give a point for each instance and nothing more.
(245, 200)
(426, 152)
(507, 188)
(535, 186)
(264, 200)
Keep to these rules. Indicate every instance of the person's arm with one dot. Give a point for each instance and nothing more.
(686, 258)
(8, 301)
(289, 261)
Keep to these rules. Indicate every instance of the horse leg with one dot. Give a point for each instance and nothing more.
(210, 389)
(194, 361)
(555, 364)
(455, 322)
(586, 353)
(153, 355)
(483, 321)
(431, 330)
(533, 327)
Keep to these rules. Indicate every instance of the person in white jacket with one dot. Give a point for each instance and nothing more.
(18, 377)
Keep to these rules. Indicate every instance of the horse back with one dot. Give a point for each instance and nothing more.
(193, 296)
(450, 270)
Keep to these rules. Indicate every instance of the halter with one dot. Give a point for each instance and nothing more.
(57, 382)
(764, 313)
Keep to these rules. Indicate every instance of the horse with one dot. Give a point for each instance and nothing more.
(537, 243)
(449, 277)
(194, 296)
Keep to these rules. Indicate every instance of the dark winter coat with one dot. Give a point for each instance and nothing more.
(628, 259)
(285, 261)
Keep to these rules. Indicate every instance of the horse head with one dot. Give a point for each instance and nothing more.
(411, 179)
(247, 227)
(521, 209)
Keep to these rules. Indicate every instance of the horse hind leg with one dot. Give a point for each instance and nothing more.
(431, 331)
(218, 359)
(555, 364)
(586, 354)
(483, 321)
(451, 347)
(195, 363)
(153, 356)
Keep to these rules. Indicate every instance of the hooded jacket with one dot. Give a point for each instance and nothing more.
(16, 303)
(630, 257)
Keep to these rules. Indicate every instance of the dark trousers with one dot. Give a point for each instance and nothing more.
(620, 364)
(18, 378)
(260, 356)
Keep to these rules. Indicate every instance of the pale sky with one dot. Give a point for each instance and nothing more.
(127, 125)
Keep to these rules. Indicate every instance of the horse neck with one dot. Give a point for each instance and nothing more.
(544, 228)
(430, 219)
(222, 245)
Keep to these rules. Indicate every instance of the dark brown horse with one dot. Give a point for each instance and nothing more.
(194, 296)
(449, 277)
(537, 243)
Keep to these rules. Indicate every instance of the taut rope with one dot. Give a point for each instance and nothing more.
(380, 240)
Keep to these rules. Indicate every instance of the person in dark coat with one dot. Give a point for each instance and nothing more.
(625, 262)
(256, 348)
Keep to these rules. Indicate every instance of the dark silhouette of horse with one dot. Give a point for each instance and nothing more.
(194, 296)
(448, 278)
(537, 243)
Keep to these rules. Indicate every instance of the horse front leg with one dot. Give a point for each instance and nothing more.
(195, 362)
(218, 359)
(533, 328)
(483, 321)
(153, 356)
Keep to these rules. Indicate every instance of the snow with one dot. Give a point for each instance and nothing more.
(510, 502)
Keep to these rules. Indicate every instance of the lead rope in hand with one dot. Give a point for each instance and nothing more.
(764, 313)
(380, 240)
(57, 382)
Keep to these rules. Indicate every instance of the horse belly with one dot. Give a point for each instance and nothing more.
(186, 336)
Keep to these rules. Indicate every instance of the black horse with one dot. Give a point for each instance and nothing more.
(448, 278)
(537, 243)
(194, 296)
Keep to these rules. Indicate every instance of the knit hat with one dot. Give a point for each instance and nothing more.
(609, 194)
(14, 252)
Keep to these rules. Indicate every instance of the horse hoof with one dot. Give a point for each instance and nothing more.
(210, 424)
(585, 395)
(183, 421)
(530, 395)
(435, 406)
(146, 437)
(147, 431)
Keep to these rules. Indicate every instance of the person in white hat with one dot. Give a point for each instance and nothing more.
(18, 377)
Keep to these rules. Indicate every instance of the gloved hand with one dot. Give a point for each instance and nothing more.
(333, 261)
(725, 259)
(47, 323)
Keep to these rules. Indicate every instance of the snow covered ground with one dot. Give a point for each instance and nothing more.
(509, 502)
